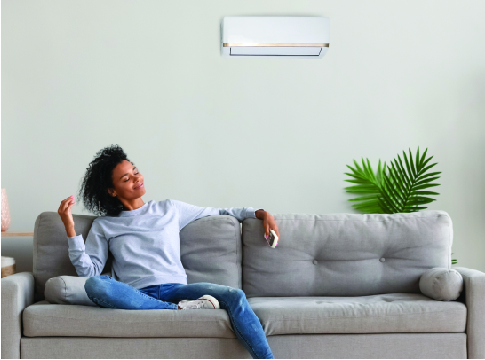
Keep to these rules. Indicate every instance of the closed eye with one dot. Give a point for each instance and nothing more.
(135, 174)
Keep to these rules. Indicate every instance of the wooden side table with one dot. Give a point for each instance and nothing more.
(13, 234)
(8, 263)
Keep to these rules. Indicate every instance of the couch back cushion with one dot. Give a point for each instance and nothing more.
(201, 242)
(345, 254)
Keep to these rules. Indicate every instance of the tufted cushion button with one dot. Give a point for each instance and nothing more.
(382, 259)
(315, 262)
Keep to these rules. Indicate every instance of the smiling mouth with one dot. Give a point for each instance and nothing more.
(141, 185)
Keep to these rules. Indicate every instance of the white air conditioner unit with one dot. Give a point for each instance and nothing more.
(301, 37)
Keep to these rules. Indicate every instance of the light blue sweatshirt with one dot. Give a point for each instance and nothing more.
(145, 242)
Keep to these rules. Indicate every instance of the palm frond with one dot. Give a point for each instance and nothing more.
(400, 190)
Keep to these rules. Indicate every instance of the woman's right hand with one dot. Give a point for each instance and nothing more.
(65, 211)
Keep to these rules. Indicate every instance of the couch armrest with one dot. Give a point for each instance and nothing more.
(17, 294)
(474, 289)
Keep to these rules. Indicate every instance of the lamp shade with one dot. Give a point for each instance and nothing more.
(5, 211)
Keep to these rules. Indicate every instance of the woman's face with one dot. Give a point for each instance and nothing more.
(127, 180)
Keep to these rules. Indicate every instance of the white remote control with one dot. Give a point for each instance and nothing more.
(272, 239)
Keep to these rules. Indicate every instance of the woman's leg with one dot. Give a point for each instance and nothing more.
(106, 292)
(244, 321)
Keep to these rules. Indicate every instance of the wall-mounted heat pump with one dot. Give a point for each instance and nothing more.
(303, 37)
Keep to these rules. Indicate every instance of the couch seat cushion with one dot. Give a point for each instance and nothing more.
(45, 319)
(383, 313)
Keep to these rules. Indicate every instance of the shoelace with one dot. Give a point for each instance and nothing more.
(199, 304)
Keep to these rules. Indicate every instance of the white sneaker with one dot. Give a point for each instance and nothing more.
(204, 302)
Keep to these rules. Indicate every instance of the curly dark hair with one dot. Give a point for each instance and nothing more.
(98, 179)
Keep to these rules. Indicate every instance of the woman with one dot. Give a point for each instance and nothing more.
(144, 239)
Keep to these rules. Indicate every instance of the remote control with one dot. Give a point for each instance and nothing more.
(272, 239)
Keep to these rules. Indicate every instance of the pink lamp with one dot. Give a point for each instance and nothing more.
(5, 211)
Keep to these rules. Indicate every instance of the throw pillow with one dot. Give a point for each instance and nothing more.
(441, 284)
(68, 290)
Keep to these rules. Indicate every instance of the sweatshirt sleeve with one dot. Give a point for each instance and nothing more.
(239, 213)
(188, 213)
(89, 259)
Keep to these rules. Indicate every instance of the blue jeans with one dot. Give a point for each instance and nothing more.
(107, 292)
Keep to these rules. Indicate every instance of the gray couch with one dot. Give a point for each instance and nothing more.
(337, 286)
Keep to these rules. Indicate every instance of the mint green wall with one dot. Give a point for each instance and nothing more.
(275, 133)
